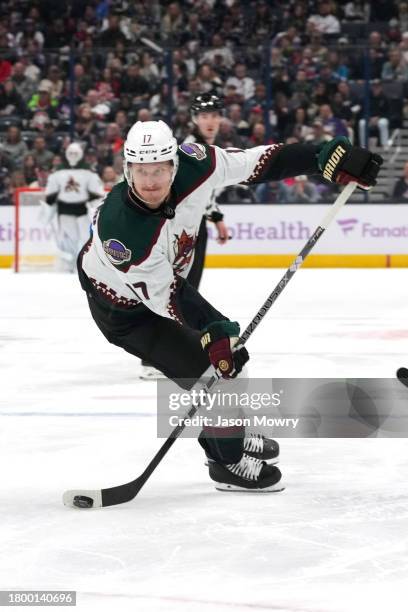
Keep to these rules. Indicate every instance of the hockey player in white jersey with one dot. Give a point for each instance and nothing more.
(134, 268)
(69, 192)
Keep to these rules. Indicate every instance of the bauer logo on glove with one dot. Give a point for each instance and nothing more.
(342, 163)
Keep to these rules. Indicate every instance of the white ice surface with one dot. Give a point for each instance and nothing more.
(74, 415)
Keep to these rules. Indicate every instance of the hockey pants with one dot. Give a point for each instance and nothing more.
(71, 234)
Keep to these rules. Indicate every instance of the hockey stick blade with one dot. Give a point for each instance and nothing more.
(86, 499)
(402, 375)
(101, 498)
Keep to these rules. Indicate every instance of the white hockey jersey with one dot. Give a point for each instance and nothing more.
(137, 256)
(74, 185)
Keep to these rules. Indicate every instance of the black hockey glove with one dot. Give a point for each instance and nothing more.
(342, 163)
(218, 339)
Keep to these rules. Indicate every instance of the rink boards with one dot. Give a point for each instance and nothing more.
(261, 236)
(269, 236)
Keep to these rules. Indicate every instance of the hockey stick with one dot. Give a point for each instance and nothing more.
(94, 498)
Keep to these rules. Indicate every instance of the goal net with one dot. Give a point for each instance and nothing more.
(35, 247)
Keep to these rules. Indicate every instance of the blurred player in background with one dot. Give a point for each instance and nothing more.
(206, 113)
(71, 191)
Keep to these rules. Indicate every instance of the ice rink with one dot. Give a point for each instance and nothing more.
(74, 414)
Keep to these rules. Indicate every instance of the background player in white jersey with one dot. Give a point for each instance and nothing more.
(134, 269)
(69, 192)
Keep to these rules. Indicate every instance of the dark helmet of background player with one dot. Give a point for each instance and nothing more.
(206, 103)
(206, 113)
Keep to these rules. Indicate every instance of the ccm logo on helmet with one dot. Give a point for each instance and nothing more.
(332, 164)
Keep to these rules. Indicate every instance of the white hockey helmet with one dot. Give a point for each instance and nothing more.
(148, 142)
(74, 154)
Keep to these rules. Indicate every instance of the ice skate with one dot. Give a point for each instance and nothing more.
(249, 474)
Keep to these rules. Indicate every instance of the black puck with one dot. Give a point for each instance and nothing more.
(82, 501)
(402, 375)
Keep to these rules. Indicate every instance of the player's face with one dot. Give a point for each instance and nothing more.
(208, 124)
(152, 182)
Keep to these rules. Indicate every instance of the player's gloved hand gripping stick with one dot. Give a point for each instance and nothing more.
(220, 340)
(94, 498)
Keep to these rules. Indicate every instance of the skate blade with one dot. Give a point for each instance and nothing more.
(276, 488)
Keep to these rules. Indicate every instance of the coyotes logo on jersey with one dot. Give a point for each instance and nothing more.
(72, 185)
(183, 248)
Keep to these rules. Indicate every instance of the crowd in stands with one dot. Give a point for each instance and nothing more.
(85, 70)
